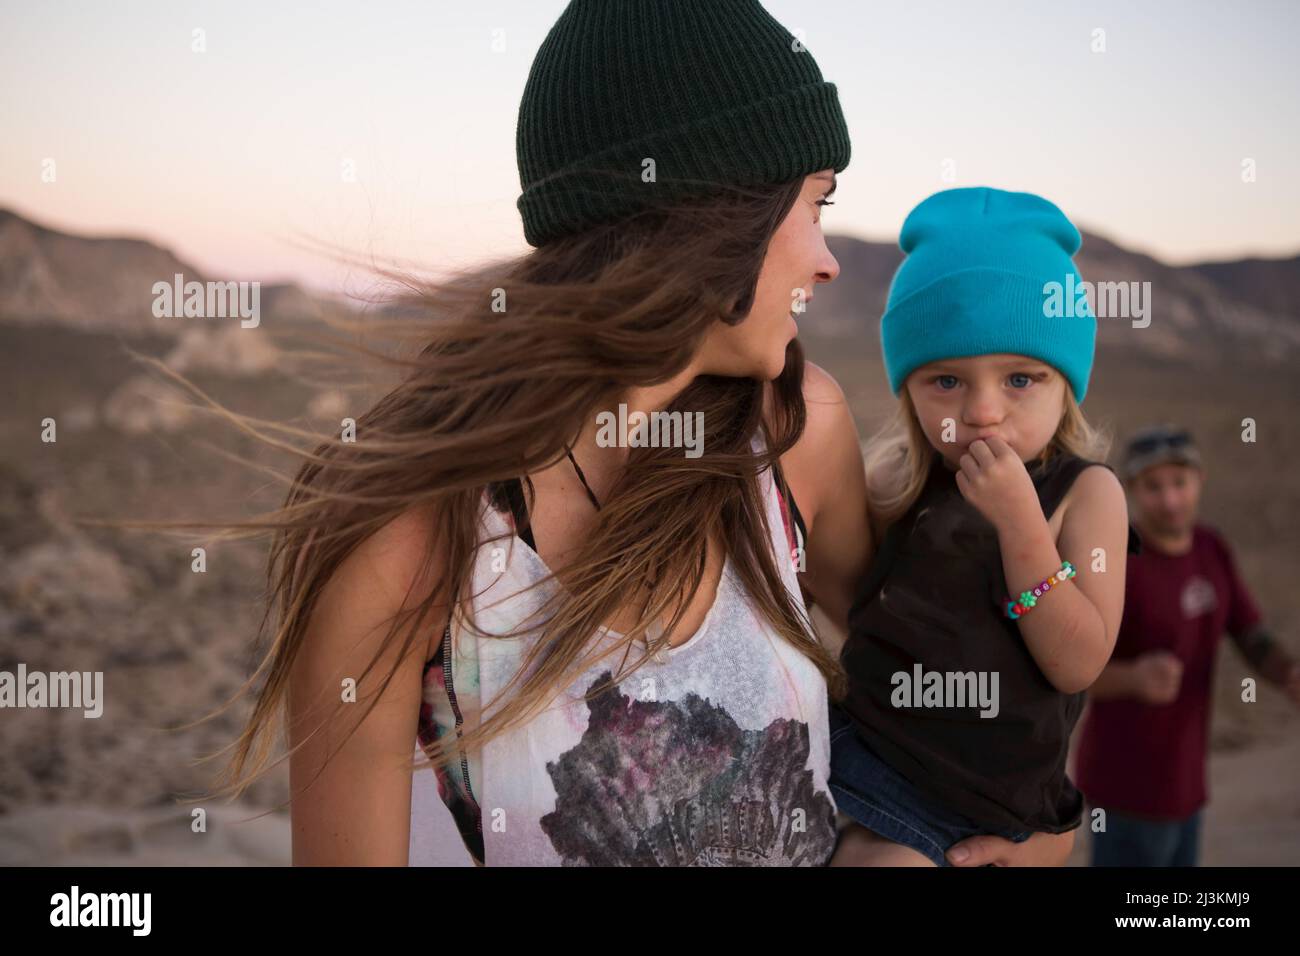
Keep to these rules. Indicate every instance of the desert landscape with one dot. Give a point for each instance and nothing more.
(174, 645)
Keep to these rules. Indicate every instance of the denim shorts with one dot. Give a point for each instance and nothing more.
(872, 793)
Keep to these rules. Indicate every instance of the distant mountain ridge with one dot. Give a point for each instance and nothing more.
(1267, 284)
(1211, 310)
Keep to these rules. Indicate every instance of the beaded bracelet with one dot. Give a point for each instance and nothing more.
(1029, 598)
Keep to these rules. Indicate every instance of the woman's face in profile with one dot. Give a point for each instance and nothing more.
(797, 259)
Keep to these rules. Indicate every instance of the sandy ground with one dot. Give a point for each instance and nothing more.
(91, 836)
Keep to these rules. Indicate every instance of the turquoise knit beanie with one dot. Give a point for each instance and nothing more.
(975, 282)
(713, 92)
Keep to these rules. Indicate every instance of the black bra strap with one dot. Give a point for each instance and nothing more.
(519, 508)
(789, 500)
(510, 494)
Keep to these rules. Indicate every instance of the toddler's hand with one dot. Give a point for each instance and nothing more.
(995, 481)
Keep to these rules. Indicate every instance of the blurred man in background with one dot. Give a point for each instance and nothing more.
(1143, 744)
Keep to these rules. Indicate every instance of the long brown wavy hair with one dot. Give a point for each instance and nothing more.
(508, 363)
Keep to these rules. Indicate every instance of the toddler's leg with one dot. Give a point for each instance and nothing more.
(859, 846)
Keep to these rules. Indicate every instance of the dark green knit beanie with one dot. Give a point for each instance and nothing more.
(712, 91)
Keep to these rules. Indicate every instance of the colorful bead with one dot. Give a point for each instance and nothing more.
(1014, 609)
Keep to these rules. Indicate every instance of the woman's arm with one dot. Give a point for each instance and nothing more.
(827, 477)
(357, 811)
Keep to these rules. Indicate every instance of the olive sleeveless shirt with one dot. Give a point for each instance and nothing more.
(716, 754)
(933, 598)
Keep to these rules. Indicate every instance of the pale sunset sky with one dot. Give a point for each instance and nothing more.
(225, 155)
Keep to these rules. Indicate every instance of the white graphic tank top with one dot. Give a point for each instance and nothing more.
(715, 754)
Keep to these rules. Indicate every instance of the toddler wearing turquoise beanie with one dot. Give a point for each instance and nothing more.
(995, 596)
(973, 283)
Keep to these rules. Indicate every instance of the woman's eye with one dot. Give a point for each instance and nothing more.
(825, 202)
(947, 382)
(1016, 376)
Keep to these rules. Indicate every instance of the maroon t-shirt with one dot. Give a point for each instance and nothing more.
(1149, 759)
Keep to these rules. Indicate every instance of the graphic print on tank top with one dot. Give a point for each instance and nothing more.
(718, 755)
(692, 788)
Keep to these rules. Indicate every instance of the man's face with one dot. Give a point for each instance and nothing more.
(1167, 497)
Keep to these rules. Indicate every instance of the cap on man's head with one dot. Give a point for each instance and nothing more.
(1159, 445)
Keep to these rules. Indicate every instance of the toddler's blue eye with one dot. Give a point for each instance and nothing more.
(1016, 375)
(943, 381)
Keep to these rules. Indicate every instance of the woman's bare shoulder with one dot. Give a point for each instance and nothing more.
(825, 405)
(820, 386)
(396, 567)
(830, 437)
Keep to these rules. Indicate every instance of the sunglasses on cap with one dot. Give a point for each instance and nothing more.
(1150, 443)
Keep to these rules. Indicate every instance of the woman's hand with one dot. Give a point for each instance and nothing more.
(1041, 849)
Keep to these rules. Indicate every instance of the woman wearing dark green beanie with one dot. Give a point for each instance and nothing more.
(570, 533)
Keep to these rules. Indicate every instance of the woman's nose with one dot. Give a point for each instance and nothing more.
(830, 268)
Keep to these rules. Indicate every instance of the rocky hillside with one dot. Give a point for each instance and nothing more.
(102, 283)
